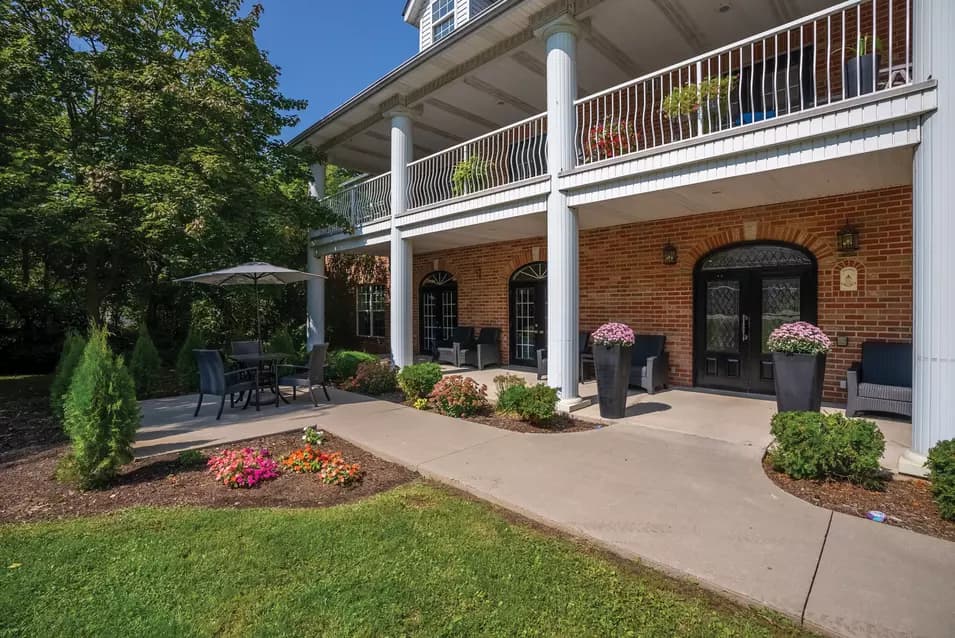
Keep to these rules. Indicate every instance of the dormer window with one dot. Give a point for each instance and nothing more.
(442, 19)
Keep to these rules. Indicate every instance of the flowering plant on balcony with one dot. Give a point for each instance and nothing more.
(799, 337)
(610, 138)
(687, 100)
(613, 334)
(471, 175)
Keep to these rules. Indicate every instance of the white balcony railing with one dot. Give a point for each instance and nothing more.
(363, 203)
(508, 155)
(851, 49)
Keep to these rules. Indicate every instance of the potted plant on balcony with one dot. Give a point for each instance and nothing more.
(799, 365)
(685, 102)
(610, 138)
(861, 69)
(612, 344)
(471, 175)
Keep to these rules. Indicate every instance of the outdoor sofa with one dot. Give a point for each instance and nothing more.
(649, 363)
(882, 381)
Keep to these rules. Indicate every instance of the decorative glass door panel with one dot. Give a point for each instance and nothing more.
(525, 323)
(528, 312)
(429, 320)
(438, 316)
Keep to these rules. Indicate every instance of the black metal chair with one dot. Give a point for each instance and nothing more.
(306, 376)
(246, 347)
(484, 351)
(448, 350)
(882, 381)
(214, 380)
(649, 362)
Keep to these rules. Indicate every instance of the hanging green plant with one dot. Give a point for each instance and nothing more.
(471, 175)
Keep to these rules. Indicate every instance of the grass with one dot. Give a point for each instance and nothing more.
(418, 560)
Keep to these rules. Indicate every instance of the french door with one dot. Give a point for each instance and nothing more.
(738, 307)
(439, 309)
(528, 311)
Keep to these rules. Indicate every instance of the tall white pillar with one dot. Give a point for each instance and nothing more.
(315, 292)
(562, 244)
(402, 350)
(933, 189)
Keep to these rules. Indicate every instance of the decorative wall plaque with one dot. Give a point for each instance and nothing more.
(848, 279)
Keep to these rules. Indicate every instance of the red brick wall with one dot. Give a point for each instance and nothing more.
(622, 277)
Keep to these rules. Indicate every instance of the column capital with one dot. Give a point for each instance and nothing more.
(564, 23)
(403, 111)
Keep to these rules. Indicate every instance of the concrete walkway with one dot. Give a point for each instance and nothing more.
(691, 505)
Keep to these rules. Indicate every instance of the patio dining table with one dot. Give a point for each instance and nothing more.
(258, 361)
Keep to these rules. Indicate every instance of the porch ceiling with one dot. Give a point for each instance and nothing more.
(492, 74)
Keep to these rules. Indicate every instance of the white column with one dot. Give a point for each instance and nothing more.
(315, 293)
(933, 408)
(562, 243)
(401, 250)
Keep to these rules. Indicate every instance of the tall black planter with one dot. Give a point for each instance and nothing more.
(859, 76)
(798, 379)
(612, 364)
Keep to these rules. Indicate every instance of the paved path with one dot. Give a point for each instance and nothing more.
(688, 504)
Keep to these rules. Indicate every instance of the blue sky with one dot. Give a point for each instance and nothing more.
(329, 50)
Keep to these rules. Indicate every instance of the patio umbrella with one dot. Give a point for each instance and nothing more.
(255, 273)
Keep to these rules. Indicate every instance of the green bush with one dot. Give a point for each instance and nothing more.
(941, 464)
(372, 377)
(343, 364)
(535, 404)
(417, 381)
(69, 358)
(144, 363)
(281, 342)
(192, 458)
(813, 445)
(101, 414)
(187, 370)
(504, 381)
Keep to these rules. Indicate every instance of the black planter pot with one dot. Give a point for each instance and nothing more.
(612, 364)
(859, 76)
(798, 379)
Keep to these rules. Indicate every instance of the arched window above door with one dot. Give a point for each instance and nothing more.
(755, 256)
(532, 272)
(438, 278)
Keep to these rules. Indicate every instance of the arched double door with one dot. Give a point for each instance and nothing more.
(742, 293)
(438, 301)
(528, 313)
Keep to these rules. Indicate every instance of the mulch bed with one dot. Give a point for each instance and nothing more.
(906, 502)
(561, 423)
(30, 492)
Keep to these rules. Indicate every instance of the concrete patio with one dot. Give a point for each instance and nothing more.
(678, 485)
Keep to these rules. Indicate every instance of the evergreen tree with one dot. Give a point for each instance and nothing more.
(72, 352)
(101, 414)
(144, 363)
(187, 371)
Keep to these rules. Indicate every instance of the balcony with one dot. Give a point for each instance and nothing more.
(855, 50)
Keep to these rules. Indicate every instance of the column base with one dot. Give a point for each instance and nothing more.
(567, 406)
(913, 464)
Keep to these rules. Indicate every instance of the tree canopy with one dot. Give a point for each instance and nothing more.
(139, 143)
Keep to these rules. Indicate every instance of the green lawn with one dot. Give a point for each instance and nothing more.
(417, 560)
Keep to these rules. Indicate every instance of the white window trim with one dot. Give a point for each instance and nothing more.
(435, 24)
(370, 309)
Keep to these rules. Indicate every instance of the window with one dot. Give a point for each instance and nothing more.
(442, 19)
(371, 311)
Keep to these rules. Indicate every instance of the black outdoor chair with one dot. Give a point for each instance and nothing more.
(214, 380)
(448, 350)
(882, 381)
(306, 376)
(246, 347)
(649, 362)
(484, 351)
(586, 356)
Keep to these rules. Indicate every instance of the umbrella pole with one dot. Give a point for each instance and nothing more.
(258, 311)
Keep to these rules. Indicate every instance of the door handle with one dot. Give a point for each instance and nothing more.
(745, 328)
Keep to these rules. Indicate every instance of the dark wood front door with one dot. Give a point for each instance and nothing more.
(742, 294)
(528, 312)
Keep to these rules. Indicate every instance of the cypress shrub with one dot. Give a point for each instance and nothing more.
(144, 363)
(187, 371)
(941, 463)
(101, 414)
(70, 356)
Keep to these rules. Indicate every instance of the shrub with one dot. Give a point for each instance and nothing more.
(504, 381)
(144, 363)
(187, 370)
(420, 404)
(941, 464)
(459, 396)
(243, 468)
(812, 445)
(614, 334)
(70, 357)
(343, 364)
(282, 342)
(372, 377)
(798, 337)
(417, 381)
(536, 404)
(101, 414)
(192, 458)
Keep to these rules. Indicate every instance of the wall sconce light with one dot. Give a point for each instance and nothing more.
(847, 239)
(669, 254)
